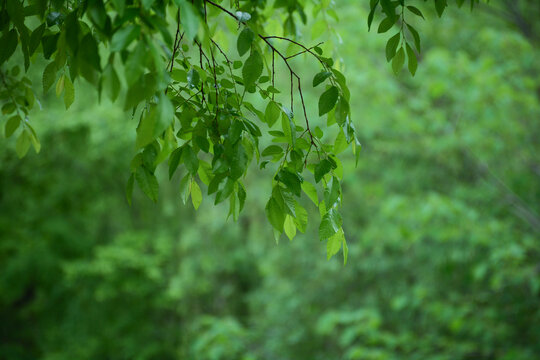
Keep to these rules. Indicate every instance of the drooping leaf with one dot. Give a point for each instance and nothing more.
(196, 194)
(244, 41)
(328, 100)
(69, 92)
(391, 46)
(147, 182)
(252, 69)
(321, 169)
(321, 77)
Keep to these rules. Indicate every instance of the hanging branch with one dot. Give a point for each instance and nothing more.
(293, 74)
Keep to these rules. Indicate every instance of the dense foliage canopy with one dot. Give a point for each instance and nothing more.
(204, 81)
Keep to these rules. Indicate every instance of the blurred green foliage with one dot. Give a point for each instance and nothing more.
(441, 217)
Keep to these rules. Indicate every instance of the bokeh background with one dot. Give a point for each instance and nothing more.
(441, 217)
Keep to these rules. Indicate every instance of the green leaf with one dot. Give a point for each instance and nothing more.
(189, 18)
(193, 78)
(388, 8)
(341, 142)
(244, 41)
(135, 64)
(190, 159)
(372, 13)
(288, 200)
(292, 181)
(252, 69)
(69, 92)
(334, 243)
(440, 5)
(272, 150)
(123, 37)
(391, 46)
(239, 162)
(147, 182)
(111, 82)
(415, 36)
(174, 160)
(330, 224)
(386, 25)
(332, 193)
(164, 114)
(185, 189)
(72, 30)
(9, 44)
(23, 144)
(398, 61)
(88, 51)
(224, 193)
(11, 125)
(60, 85)
(196, 194)
(412, 64)
(328, 100)
(322, 169)
(415, 11)
(290, 227)
(145, 130)
(311, 192)
(275, 215)
(301, 218)
(35, 39)
(288, 129)
(271, 114)
(321, 77)
(33, 138)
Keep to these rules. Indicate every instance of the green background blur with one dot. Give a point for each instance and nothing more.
(441, 218)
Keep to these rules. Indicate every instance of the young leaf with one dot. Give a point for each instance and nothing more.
(334, 243)
(290, 227)
(310, 191)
